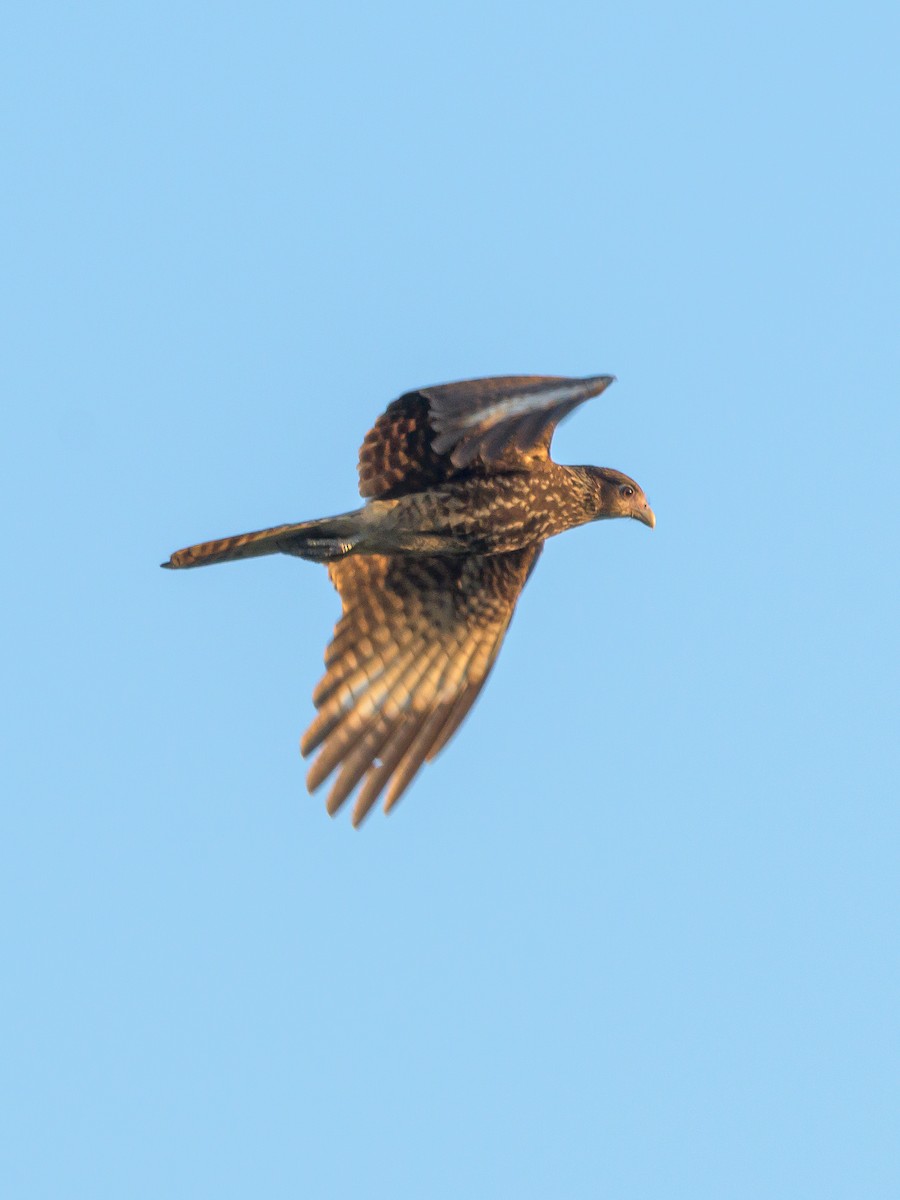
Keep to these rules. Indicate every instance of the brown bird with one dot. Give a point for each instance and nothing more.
(461, 494)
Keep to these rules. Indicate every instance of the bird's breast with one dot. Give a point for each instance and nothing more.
(494, 514)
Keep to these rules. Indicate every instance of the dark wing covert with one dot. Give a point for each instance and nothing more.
(433, 434)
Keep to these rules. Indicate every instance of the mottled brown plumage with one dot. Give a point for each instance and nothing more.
(461, 494)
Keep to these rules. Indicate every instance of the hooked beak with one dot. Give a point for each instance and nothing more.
(645, 516)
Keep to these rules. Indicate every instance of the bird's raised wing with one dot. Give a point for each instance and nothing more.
(429, 436)
(410, 654)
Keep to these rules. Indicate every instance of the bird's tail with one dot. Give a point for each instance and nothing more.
(324, 540)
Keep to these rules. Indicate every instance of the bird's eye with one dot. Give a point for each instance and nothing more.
(626, 489)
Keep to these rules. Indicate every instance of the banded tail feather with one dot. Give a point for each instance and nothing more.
(323, 540)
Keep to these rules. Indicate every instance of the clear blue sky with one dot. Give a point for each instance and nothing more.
(635, 933)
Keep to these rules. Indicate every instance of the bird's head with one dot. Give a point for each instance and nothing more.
(619, 496)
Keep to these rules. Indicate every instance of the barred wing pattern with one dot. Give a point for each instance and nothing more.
(428, 436)
(396, 457)
(415, 644)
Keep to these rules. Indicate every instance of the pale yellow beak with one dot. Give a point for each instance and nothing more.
(645, 515)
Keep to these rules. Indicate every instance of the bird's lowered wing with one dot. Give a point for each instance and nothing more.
(410, 654)
(430, 435)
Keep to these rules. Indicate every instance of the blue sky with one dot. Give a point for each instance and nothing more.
(635, 933)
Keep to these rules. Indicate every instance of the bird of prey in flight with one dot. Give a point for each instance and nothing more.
(461, 493)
